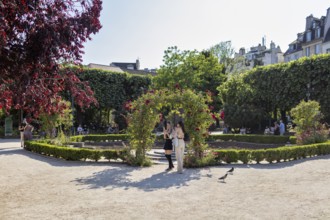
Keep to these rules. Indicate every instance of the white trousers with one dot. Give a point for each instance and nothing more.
(22, 138)
(179, 153)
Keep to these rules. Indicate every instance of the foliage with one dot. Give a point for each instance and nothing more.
(272, 154)
(100, 137)
(253, 138)
(145, 114)
(69, 153)
(199, 71)
(307, 118)
(59, 121)
(280, 87)
(112, 91)
(240, 110)
(34, 39)
(224, 52)
(191, 161)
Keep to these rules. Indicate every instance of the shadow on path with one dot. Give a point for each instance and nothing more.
(122, 178)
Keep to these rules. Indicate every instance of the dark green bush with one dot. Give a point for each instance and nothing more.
(262, 139)
(100, 137)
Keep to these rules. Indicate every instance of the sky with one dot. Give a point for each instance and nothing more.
(144, 29)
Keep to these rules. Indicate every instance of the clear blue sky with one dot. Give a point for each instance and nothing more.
(145, 28)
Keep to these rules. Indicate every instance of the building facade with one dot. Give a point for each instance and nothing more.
(314, 40)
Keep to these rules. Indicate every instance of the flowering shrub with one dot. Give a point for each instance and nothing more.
(145, 114)
(307, 117)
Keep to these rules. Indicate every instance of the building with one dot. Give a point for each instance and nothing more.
(132, 68)
(314, 40)
(258, 56)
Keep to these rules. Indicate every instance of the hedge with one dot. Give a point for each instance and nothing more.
(75, 154)
(252, 138)
(273, 154)
(262, 139)
(100, 137)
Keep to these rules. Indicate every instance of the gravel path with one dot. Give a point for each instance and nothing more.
(38, 187)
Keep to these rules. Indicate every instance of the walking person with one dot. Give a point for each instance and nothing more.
(179, 145)
(168, 146)
(21, 129)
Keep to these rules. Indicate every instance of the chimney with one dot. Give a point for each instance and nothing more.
(137, 64)
(309, 22)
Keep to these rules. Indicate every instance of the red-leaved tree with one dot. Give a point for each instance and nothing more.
(36, 37)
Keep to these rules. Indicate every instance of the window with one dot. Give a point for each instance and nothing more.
(296, 57)
(318, 33)
(309, 36)
(317, 48)
(307, 52)
(328, 50)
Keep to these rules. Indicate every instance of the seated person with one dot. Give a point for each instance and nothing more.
(267, 130)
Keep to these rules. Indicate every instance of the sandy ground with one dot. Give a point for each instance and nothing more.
(37, 187)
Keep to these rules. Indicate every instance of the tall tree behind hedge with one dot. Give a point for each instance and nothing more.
(199, 71)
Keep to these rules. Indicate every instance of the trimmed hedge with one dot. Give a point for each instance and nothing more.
(100, 137)
(75, 154)
(262, 139)
(273, 154)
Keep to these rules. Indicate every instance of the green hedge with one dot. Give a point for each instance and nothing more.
(100, 137)
(69, 153)
(262, 139)
(273, 154)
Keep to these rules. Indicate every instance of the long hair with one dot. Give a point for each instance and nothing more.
(182, 126)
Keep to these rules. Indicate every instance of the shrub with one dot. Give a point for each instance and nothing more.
(75, 154)
(258, 155)
(262, 139)
(100, 137)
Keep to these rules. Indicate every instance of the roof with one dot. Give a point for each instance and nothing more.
(105, 67)
(120, 70)
(124, 65)
(327, 36)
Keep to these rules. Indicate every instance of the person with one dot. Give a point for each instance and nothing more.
(179, 145)
(276, 128)
(168, 146)
(267, 130)
(28, 132)
(79, 130)
(282, 128)
(21, 129)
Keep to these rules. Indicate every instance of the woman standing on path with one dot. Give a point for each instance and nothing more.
(21, 129)
(168, 147)
(179, 145)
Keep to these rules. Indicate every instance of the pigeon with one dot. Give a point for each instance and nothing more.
(231, 171)
(223, 177)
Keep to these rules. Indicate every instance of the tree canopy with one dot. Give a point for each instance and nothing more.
(35, 38)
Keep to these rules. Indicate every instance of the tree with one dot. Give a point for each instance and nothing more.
(199, 71)
(35, 38)
(224, 52)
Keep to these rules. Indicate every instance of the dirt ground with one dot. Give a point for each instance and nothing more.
(38, 187)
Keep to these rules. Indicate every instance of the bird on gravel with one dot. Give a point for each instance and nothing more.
(223, 177)
(231, 171)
